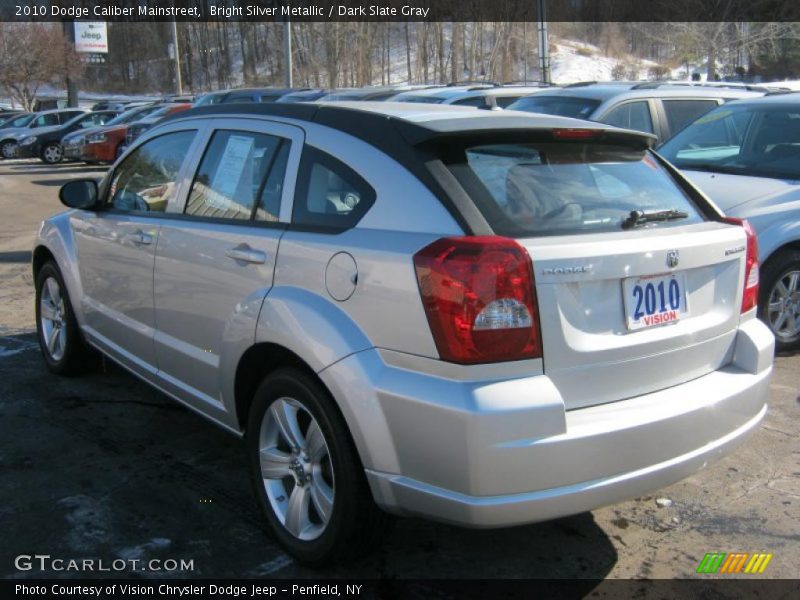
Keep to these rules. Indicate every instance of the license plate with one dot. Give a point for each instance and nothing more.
(654, 300)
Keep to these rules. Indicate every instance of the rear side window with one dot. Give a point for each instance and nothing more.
(231, 178)
(631, 115)
(506, 101)
(682, 112)
(329, 194)
(555, 188)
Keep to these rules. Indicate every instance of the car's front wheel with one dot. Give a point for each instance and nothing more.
(60, 339)
(52, 153)
(8, 149)
(779, 302)
(306, 472)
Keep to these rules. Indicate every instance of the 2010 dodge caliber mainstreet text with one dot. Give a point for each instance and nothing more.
(482, 318)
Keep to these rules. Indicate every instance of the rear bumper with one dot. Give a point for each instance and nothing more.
(466, 455)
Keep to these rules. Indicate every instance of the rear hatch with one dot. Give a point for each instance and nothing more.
(638, 283)
(591, 289)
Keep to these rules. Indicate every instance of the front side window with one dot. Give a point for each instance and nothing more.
(329, 194)
(740, 140)
(232, 182)
(147, 178)
(631, 115)
(554, 188)
(45, 120)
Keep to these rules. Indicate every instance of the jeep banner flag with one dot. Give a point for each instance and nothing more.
(91, 36)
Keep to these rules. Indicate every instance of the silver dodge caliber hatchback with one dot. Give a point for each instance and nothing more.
(482, 318)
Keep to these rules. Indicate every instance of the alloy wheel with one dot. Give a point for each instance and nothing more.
(296, 469)
(783, 308)
(7, 149)
(52, 154)
(52, 315)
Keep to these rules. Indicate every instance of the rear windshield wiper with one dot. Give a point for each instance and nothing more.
(640, 217)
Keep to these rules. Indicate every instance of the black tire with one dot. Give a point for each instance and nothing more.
(355, 523)
(778, 270)
(52, 153)
(76, 356)
(7, 149)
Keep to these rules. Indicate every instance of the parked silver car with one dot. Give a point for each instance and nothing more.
(484, 318)
(746, 157)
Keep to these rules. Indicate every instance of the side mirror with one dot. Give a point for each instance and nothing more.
(81, 193)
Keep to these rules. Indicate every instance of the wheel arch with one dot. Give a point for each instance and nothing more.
(257, 362)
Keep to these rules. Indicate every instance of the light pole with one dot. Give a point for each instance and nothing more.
(544, 48)
(287, 51)
(177, 57)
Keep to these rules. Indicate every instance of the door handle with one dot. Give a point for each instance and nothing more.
(139, 238)
(247, 254)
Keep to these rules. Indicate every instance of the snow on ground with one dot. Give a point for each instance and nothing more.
(792, 84)
(575, 61)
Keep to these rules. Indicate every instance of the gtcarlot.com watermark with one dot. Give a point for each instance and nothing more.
(45, 562)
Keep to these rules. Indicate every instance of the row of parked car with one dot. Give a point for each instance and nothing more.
(100, 137)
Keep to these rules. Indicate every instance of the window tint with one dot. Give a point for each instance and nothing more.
(474, 101)
(329, 193)
(238, 98)
(231, 175)
(682, 112)
(740, 139)
(45, 120)
(505, 101)
(631, 115)
(146, 179)
(564, 106)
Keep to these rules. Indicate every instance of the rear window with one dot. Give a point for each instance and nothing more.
(418, 99)
(563, 106)
(557, 188)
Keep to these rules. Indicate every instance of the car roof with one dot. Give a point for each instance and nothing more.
(445, 92)
(625, 91)
(787, 99)
(60, 110)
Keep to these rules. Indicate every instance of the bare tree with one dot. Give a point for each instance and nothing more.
(34, 54)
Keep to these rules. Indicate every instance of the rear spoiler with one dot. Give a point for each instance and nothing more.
(492, 132)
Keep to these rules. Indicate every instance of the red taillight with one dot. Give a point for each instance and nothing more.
(480, 299)
(575, 133)
(750, 298)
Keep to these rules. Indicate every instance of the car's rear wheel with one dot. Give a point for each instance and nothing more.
(60, 339)
(52, 153)
(8, 149)
(306, 473)
(779, 302)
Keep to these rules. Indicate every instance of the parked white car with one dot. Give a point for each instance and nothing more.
(746, 156)
(486, 318)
